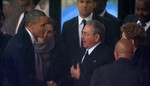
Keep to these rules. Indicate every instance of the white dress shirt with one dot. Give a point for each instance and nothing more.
(145, 27)
(89, 51)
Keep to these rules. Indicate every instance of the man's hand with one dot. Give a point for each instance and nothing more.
(51, 83)
(75, 72)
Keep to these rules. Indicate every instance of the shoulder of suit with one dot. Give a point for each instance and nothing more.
(112, 17)
(71, 20)
(130, 18)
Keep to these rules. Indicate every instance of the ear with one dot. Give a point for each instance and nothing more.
(97, 37)
(116, 54)
(30, 26)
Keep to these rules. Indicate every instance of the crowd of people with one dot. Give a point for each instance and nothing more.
(94, 49)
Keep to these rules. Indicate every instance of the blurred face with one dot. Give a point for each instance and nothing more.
(49, 34)
(38, 28)
(23, 2)
(88, 37)
(100, 7)
(143, 11)
(85, 7)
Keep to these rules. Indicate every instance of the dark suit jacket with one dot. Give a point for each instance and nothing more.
(113, 18)
(70, 34)
(120, 73)
(141, 58)
(101, 55)
(4, 38)
(133, 18)
(20, 64)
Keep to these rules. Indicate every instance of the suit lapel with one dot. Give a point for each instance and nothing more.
(92, 57)
(75, 30)
(30, 47)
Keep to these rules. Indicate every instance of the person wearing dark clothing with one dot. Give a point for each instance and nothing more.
(100, 10)
(96, 54)
(141, 17)
(72, 29)
(19, 52)
(138, 35)
(121, 72)
(49, 58)
(28, 5)
(4, 38)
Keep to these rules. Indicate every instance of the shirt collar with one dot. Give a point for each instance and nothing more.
(31, 36)
(91, 49)
(89, 18)
(147, 24)
(102, 14)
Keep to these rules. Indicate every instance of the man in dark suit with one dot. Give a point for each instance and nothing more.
(28, 5)
(71, 33)
(19, 52)
(96, 54)
(4, 38)
(100, 10)
(121, 72)
(141, 17)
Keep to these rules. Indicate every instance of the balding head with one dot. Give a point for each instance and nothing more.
(124, 49)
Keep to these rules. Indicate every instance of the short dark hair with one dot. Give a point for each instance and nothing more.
(33, 16)
(35, 2)
(98, 28)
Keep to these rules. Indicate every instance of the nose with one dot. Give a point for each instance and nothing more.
(84, 4)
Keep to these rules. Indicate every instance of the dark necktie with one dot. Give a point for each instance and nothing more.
(85, 56)
(84, 23)
(143, 24)
(22, 24)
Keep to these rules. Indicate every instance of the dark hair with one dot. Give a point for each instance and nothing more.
(33, 16)
(51, 21)
(35, 2)
(135, 32)
(98, 28)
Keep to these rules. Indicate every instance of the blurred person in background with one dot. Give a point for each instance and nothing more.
(49, 59)
(120, 72)
(28, 5)
(141, 57)
(4, 38)
(141, 17)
